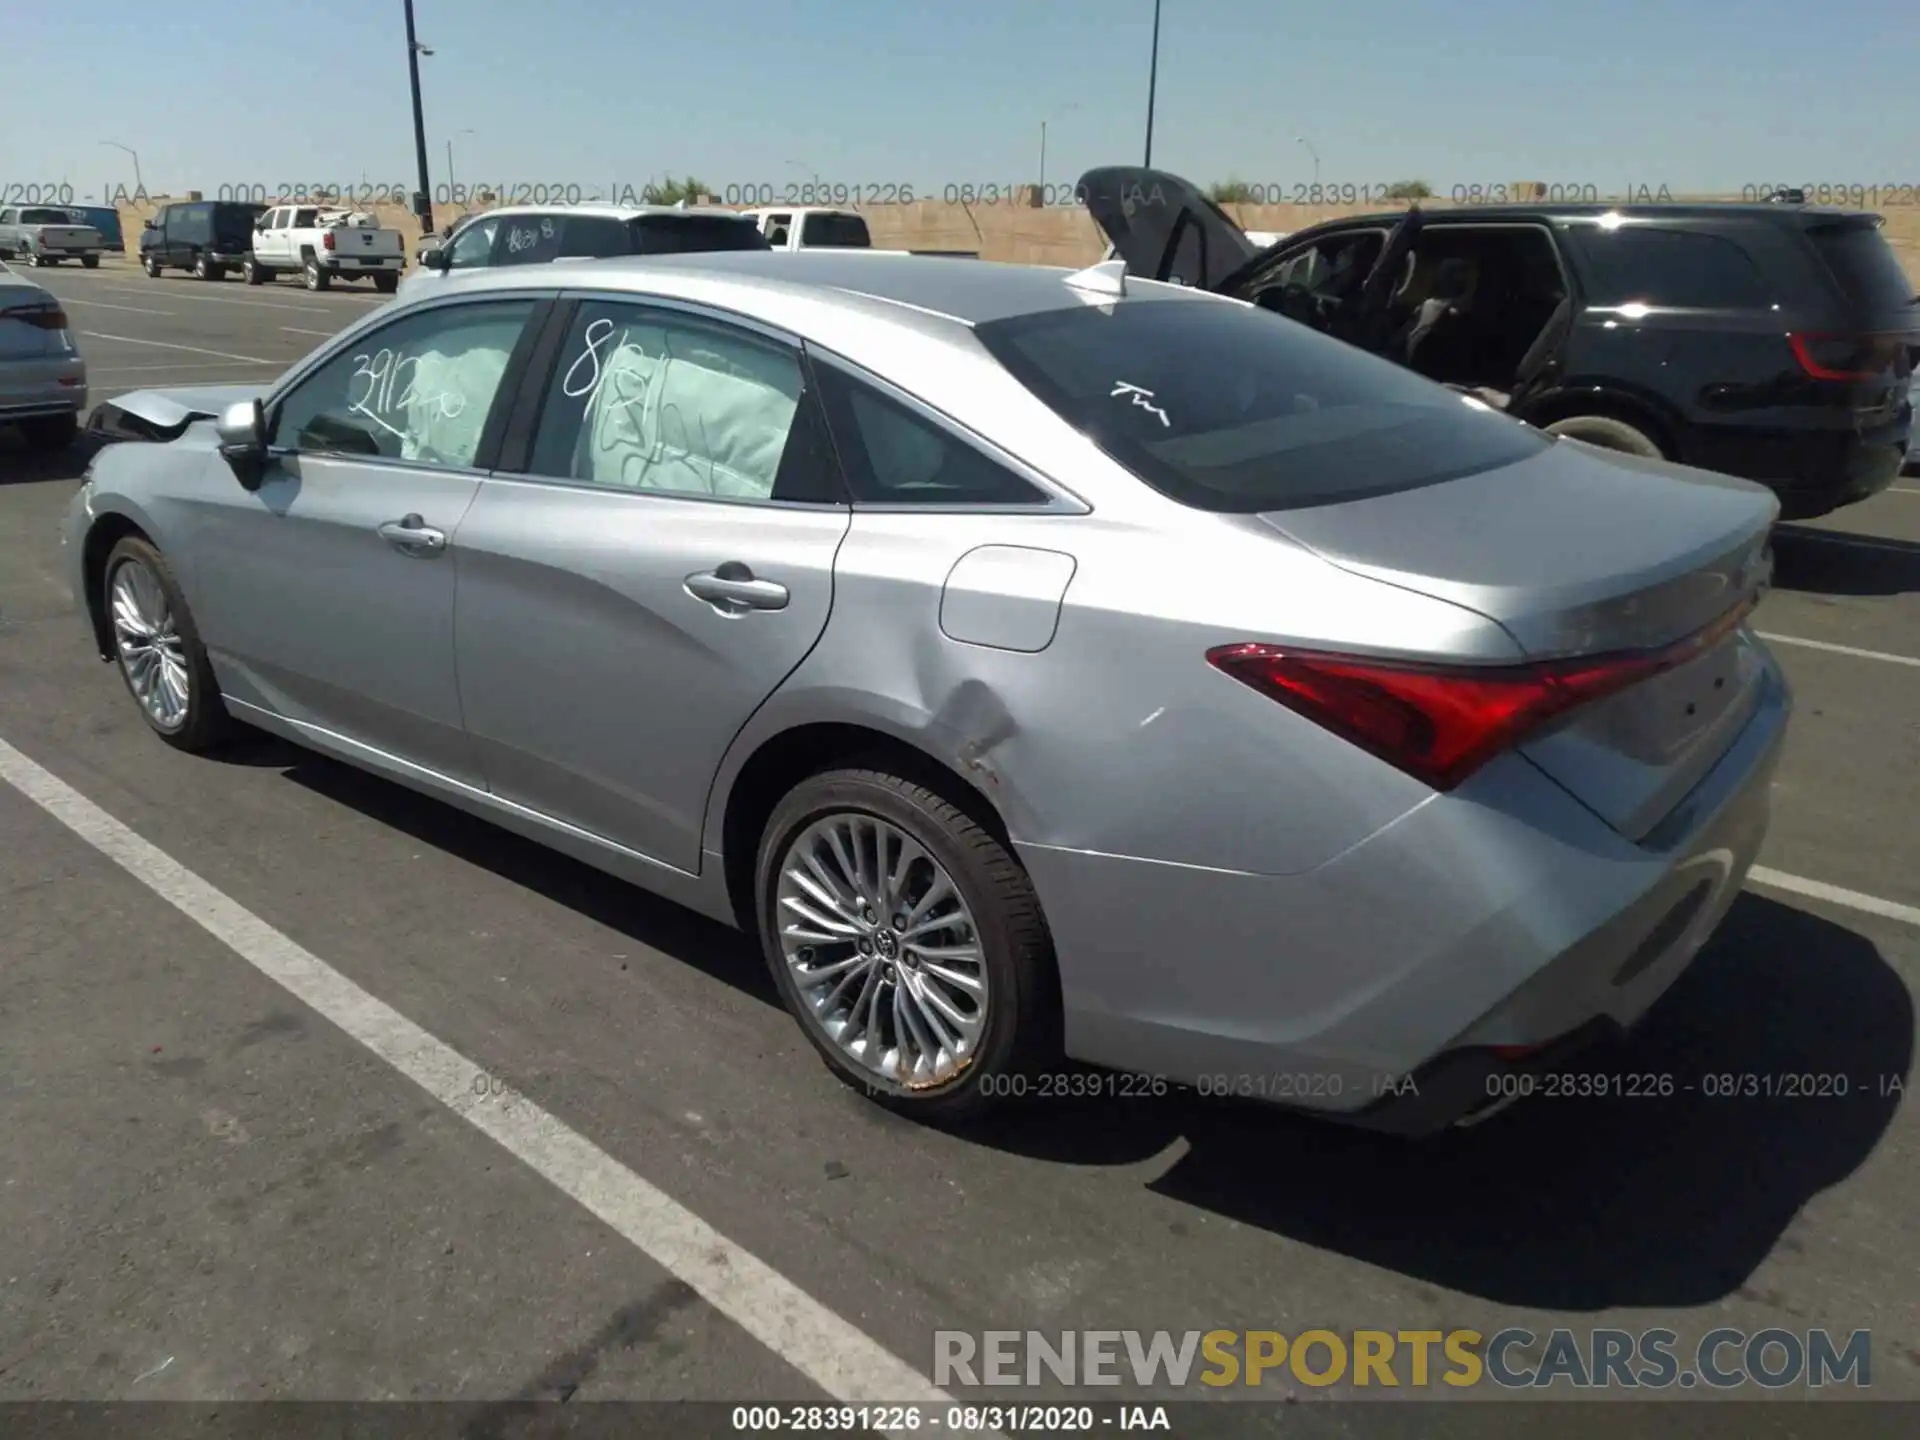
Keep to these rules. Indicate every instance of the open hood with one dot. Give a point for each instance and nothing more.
(165, 414)
(1164, 227)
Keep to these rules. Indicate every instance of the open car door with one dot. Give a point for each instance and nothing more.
(1367, 322)
(1164, 228)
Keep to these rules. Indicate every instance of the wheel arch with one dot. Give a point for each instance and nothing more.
(107, 531)
(1652, 417)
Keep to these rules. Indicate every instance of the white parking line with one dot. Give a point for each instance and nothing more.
(103, 305)
(1852, 650)
(190, 349)
(94, 372)
(184, 293)
(296, 330)
(830, 1351)
(1834, 895)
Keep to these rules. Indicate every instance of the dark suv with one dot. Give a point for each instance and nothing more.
(207, 237)
(1773, 341)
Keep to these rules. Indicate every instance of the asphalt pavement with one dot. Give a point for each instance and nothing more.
(236, 1161)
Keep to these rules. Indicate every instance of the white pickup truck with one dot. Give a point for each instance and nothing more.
(324, 245)
(816, 227)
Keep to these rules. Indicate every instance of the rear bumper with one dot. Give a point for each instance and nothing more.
(362, 265)
(1373, 989)
(58, 388)
(1813, 471)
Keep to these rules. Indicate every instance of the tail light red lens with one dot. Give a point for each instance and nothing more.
(326, 240)
(1441, 723)
(1850, 357)
(42, 318)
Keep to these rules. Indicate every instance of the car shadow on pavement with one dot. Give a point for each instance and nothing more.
(1558, 1203)
(1843, 563)
(22, 466)
(716, 950)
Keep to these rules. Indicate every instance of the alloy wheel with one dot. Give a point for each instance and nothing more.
(153, 657)
(883, 950)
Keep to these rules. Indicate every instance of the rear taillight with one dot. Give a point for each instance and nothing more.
(41, 319)
(1442, 723)
(326, 240)
(1848, 357)
(43, 237)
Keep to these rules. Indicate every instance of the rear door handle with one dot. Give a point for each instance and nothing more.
(731, 587)
(413, 536)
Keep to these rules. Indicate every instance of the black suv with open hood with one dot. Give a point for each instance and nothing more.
(1775, 342)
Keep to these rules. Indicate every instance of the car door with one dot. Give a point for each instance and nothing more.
(644, 569)
(326, 596)
(266, 235)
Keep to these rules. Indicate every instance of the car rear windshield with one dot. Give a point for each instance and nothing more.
(685, 234)
(1864, 264)
(844, 232)
(1225, 407)
(45, 217)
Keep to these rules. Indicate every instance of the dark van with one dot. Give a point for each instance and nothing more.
(207, 237)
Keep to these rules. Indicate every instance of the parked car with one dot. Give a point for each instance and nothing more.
(322, 246)
(46, 235)
(830, 595)
(105, 219)
(43, 380)
(1771, 341)
(534, 234)
(206, 237)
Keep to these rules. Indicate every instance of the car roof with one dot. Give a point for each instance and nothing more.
(609, 212)
(947, 290)
(1662, 210)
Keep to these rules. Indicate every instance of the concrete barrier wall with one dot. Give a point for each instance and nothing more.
(1021, 235)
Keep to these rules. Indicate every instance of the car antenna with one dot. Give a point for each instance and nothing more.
(1109, 277)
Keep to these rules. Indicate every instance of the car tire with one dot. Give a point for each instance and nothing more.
(203, 723)
(1607, 433)
(90, 262)
(152, 267)
(386, 284)
(989, 889)
(253, 274)
(204, 268)
(317, 279)
(35, 260)
(50, 432)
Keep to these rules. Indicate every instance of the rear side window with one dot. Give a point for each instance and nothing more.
(1225, 407)
(1684, 268)
(684, 234)
(894, 456)
(592, 236)
(846, 232)
(1864, 264)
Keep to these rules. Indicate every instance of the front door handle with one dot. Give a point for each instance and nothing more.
(413, 536)
(731, 587)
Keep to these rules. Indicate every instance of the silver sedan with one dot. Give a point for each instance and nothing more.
(1039, 663)
(43, 380)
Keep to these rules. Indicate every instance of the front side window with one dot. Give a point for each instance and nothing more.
(418, 390)
(658, 401)
(528, 239)
(475, 245)
(1221, 406)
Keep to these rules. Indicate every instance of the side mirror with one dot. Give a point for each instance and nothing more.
(435, 257)
(242, 429)
(146, 224)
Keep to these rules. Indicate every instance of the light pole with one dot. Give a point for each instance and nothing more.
(1302, 140)
(450, 138)
(1153, 78)
(139, 185)
(1063, 110)
(423, 202)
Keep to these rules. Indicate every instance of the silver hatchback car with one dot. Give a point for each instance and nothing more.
(1037, 662)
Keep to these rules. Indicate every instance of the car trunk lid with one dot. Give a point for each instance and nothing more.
(1581, 553)
(1164, 228)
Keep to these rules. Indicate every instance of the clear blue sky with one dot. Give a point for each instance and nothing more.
(1609, 92)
